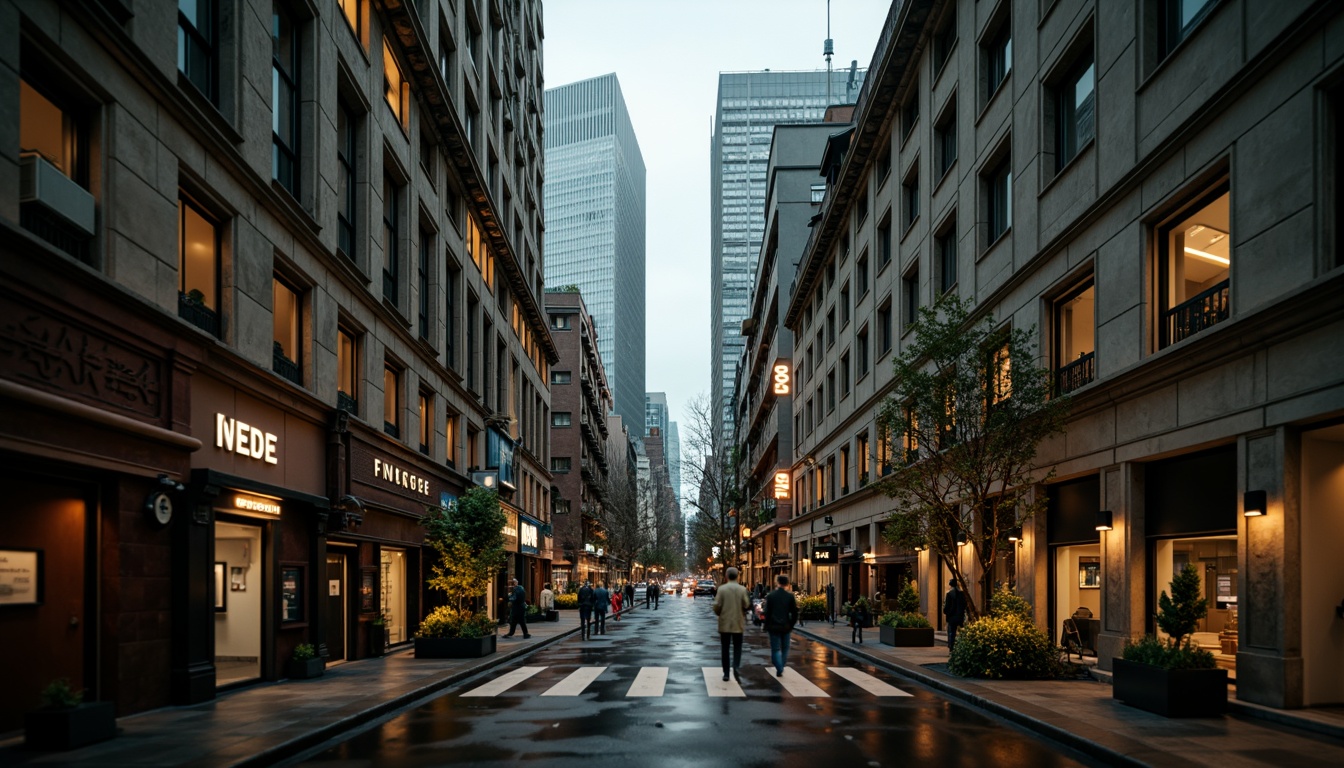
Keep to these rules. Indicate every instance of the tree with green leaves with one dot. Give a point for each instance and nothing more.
(1179, 614)
(958, 438)
(468, 536)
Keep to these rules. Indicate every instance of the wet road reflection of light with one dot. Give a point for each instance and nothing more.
(685, 727)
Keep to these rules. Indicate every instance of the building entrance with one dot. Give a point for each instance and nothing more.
(239, 581)
(337, 600)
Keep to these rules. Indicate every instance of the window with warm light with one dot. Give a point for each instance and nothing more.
(391, 400)
(1075, 338)
(426, 412)
(396, 90)
(287, 336)
(198, 267)
(347, 371)
(47, 130)
(1195, 262)
(450, 438)
(354, 16)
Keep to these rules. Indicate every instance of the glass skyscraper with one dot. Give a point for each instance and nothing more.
(750, 105)
(594, 204)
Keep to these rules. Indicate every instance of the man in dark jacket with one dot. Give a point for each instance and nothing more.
(601, 601)
(652, 594)
(781, 613)
(586, 600)
(517, 608)
(954, 610)
(629, 595)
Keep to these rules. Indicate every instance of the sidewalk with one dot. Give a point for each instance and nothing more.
(1081, 714)
(268, 722)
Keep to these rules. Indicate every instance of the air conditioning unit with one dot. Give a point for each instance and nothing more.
(43, 184)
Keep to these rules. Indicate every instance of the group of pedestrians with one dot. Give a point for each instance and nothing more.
(731, 605)
(596, 602)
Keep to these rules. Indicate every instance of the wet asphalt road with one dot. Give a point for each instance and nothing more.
(685, 726)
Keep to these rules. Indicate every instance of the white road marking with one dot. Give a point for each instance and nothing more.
(577, 681)
(715, 685)
(504, 682)
(649, 682)
(867, 682)
(796, 684)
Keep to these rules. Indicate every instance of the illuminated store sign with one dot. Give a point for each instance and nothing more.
(245, 439)
(528, 536)
(825, 555)
(254, 504)
(398, 476)
(782, 377)
(782, 485)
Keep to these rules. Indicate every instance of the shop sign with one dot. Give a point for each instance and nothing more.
(779, 559)
(446, 499)
(828, 554)
(499, 455)
(781, 377)
(510, 530)
(256, 504)
(397, 476)
(782, 483)
(245, 439)
(20, 577)
(528, 538)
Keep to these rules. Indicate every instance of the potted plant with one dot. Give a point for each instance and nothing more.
(1173, 677)
(468, 536)
(378, 636)
(65, 721)
(304, 663)
(906, 627)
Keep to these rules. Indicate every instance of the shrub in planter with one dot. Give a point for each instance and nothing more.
(1171, 677)
(907, 600)
(903, 620)
(304, 663)
(1005, 644)
(65, 721)
(447, 633)
(812, 608)
(468, 537)
(567, 600)
(904, 629)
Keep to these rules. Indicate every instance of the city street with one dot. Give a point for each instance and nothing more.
(605, 702)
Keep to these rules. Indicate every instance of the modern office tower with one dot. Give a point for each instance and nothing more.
(580, 439)
(674, 458)
(655, 412)
(270, 284)
(749, 106)
(594, 203)
(1161, 210)
(771, 362)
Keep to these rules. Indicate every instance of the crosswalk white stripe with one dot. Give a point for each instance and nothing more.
(649, 682)
(577, 681)
(504, 682)
(715, 685)
(797, 685)
(867, 682)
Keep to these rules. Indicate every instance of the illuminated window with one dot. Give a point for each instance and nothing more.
(1195, 263)
(391, 400)
(426, 409)
(347, 371)
(286, 359)
(1075, 338)
(450, 438)
(47, 130)
(198, 267)
(354, 16)
(397, 91)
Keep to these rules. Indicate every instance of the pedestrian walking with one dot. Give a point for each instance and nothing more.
(781, 613)
(858, 616)
(731, 604)
(954, 610)
(601, 601)
(617, 598)
(546, 601)
(517, 609)
(652, 594)
(586, 600)
(629, 595)
(830, 603)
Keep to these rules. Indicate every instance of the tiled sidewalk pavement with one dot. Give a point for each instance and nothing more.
(267, 722)
(1082, 714)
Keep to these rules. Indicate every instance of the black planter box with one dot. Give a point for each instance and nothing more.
(552, 615)
(907, 637)
(1170, 692)
(63, 729)
(454, 647)
(304, 669)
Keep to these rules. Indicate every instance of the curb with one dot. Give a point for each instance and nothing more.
(1038, 727)
(327, 732)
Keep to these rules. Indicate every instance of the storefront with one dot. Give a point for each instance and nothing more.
(94, 442)
(1191, 519)
(251, 540)
(1074, 562)
(376, 566)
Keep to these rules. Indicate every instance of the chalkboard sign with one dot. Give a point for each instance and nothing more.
(291, 593)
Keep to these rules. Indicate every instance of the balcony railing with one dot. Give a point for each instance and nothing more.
(1190, 317)
(194, 311)
(284, 366)
(1076, 374)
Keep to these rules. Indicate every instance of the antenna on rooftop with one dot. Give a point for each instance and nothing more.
(828, 48)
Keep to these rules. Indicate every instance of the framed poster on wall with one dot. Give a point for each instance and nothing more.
(291, 593)
(1089, 573)
(368, 590)
(20, 577)
(221, 591)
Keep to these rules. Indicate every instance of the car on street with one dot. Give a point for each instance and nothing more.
(705, 587)
(672, 586)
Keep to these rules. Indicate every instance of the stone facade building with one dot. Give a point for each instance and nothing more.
(270, 283)
(1153, 188)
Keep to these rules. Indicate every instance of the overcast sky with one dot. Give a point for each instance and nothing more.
(667, 55)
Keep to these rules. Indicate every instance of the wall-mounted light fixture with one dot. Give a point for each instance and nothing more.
(961, 539)
(1104, 520)
(1254, 503)
(921, 547)
(1015, 534)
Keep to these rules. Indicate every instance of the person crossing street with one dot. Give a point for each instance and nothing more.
(652, 594)
(731, 605)
(586, 601)
(601, 601)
